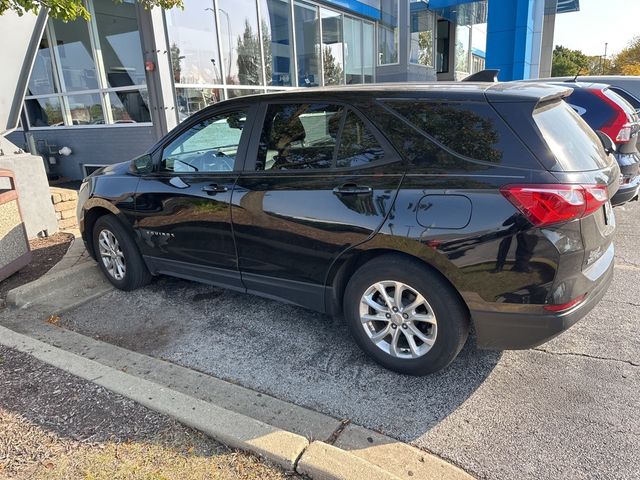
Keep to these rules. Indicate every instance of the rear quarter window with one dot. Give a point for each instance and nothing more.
(574, 144)
(469, 130)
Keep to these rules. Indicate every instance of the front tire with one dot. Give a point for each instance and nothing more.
(405, 316)
(118, 256)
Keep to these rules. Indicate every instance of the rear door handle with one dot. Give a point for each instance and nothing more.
(214, 188)
(353, 189)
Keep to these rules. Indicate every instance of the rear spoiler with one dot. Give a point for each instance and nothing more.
(487, 75)
(526, 92)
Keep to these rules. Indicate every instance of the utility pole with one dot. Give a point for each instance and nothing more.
(604, 58)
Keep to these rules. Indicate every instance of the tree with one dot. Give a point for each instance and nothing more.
(68, 10)
(176, 60)
(567, 62)
(332, 69)
(627, 62)
(249, 64)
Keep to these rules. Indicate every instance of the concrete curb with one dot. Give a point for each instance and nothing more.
(74, 255)
(235, 430)
(61, 290)
(362, 453)
(322, 461)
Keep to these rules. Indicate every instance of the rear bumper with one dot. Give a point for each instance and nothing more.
(626, 192)
(501, 330)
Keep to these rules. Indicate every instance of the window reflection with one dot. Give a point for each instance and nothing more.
(74, 52)
(240, 42)
(193, 43)
(332, 47)
(42, 79)
(120, 43)
(86, 109)
(422, 33)
(307, 33)
(388, 32)
(368, 59)
(130, 106)
(276, 35)
(353, 50)
(44, 112)
(463, 40)
(190, 100)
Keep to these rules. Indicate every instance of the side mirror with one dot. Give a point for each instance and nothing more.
(607, 143)
(142, 164)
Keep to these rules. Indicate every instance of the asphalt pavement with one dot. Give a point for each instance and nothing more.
(568, 409)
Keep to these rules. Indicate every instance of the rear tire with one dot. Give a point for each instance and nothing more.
(117, 255)
(405, 316)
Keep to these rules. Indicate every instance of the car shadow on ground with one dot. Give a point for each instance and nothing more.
(286, 351)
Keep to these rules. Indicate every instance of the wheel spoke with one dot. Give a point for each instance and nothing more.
(397, 294)
(415, 304)
(368, 299)
(367, 317)
(415, 331)
(383, 291)
(393, 347)
(412, 343)
(423, 317)
(379, 336)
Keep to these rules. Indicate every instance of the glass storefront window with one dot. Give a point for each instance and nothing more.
(44, 112)
(422, 24)
(332, 54)
(241, 92)
(190, 100)
(276, 35)
(120, 43)
(130, 106)
(463, 40)
(353, 50)
(388, 32)
(86, 109)
(74, 53)
(193, 43)
(307, 35)
(42, 80)
(240, 40)
(368, 57)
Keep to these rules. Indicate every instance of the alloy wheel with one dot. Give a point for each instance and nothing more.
(398, 319)
(111, 254)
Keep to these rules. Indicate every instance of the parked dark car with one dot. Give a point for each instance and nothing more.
(605, 110)
(412, 210)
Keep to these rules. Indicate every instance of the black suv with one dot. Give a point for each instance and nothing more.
(411, 210)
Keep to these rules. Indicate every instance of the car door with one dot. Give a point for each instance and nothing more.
(183, 214)
(318, 179)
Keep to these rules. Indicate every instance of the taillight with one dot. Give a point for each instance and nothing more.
(619, 126)
(548, 204)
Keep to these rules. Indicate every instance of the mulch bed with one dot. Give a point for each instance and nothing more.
(46, 253)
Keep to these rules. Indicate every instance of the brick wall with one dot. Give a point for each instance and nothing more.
(65, 202)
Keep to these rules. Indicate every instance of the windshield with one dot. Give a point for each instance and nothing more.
(574, 144)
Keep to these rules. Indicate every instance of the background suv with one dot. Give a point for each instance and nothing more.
(603, 109)
(412, 210)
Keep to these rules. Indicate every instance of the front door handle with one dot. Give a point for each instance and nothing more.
(214, 188)
(353, 189)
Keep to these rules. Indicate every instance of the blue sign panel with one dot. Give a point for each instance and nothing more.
(367, 8)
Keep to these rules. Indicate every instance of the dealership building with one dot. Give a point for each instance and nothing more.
(110, 87)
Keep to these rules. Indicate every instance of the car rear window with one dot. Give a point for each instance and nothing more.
(471, 130)
(633, 101)
(574, 144)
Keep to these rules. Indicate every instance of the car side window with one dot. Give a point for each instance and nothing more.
(299, 136)
(358, 146)
(208, 146)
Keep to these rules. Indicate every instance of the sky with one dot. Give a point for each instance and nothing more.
(597, 22)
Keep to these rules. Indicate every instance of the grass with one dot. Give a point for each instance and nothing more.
(176, 453)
